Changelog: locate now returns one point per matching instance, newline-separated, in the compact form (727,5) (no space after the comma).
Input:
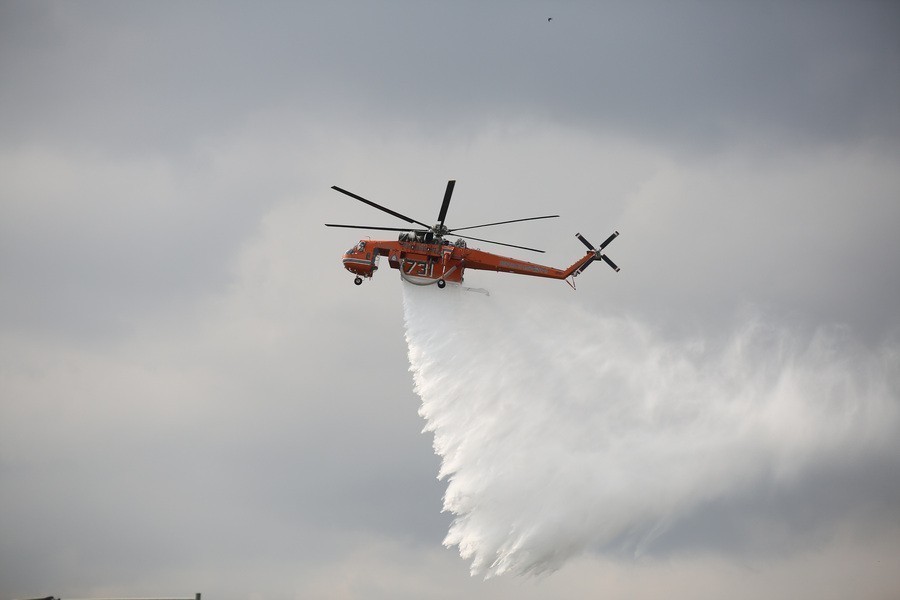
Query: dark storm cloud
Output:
(694,74)
(151,460)
(88,244)
(772,521)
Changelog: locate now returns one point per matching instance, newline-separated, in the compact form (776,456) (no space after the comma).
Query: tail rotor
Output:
(598,252)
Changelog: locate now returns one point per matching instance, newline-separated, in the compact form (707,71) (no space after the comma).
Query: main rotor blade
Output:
(608,240)
(379,207)
(371,227)
(443,214)
(504,222)
(501,243)
(584,241)
(609,262)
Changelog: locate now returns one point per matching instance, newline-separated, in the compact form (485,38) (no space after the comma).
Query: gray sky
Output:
(176,413)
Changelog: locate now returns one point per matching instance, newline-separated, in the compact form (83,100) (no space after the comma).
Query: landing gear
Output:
(441,283)
(358,281)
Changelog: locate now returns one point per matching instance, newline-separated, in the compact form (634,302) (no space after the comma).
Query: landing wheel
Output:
(441,283)
(358,281)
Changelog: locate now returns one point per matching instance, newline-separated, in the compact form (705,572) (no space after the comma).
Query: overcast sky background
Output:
(195,397)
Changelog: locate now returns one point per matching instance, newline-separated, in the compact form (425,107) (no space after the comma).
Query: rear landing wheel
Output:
(358,281)
(441,283)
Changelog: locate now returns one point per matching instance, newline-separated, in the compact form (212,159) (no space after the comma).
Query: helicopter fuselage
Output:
(424,263)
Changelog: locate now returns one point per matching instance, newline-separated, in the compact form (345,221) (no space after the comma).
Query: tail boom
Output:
(502,264)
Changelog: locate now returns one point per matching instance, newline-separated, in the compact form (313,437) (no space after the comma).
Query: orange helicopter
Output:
(424,256)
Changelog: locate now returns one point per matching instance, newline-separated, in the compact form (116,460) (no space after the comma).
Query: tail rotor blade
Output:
(586,265)
(609,262)
(447,194)
(608,240)
(584,241)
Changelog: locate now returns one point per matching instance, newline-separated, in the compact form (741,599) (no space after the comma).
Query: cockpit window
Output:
(357,248)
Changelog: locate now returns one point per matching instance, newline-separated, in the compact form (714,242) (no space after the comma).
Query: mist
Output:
(562,432)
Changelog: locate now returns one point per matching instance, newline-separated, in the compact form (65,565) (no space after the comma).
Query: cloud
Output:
(173,315)
(693,76)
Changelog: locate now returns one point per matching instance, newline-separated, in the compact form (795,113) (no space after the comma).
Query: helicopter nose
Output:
(356,264)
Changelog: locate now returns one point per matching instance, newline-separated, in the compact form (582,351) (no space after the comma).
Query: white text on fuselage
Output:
(505,264)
